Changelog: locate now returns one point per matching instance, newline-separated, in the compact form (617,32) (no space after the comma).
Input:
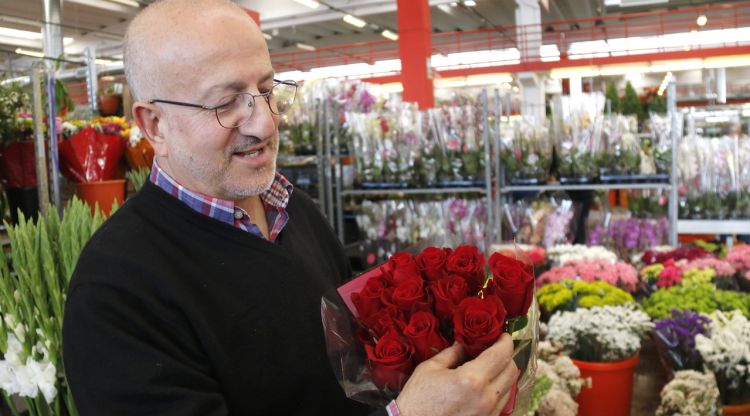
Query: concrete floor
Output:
(649,379)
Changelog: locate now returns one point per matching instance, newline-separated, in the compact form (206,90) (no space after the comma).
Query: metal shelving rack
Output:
(335,187)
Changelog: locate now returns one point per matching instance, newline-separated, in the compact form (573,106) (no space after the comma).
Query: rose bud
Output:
(447,293)
(431,263)
(424,333)
(391,361)
(513,283)
(468,262)
(478,323)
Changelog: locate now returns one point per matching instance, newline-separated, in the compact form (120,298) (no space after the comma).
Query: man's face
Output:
(200,154)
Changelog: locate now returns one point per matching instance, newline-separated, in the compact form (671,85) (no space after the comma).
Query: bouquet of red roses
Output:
(412,307)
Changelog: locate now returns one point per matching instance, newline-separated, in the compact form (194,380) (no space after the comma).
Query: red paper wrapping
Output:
(90,156)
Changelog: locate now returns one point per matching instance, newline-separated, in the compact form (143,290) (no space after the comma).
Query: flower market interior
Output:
(605,144)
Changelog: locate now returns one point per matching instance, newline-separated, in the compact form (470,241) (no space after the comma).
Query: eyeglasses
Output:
(236,109)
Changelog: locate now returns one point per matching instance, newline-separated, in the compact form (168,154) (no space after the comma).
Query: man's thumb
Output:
(450,357)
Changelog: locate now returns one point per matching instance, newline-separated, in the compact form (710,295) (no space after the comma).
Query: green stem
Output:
(11,404)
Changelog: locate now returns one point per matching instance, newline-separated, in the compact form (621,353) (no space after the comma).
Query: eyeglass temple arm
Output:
(205,107)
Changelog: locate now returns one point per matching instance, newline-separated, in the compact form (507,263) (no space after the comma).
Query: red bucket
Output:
(103,193)
(736,409)
(610,388)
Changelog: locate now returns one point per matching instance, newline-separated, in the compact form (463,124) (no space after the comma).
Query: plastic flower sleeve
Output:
(374,346)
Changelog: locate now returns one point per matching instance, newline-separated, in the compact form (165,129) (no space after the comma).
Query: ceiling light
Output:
(470,3)
(267,36)
(454,4)
(702,20)
(68,41)
(20,34)
(305,46)
(355,21)
(35,54)
(309,3)
(389,35)
(130,3)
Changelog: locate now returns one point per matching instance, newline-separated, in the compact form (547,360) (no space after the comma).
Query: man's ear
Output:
(148,116)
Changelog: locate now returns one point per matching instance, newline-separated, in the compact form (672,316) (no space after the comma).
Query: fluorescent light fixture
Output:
(35,54)
(21,79)
(355,21)
(267,36)
(701,20)
(20,34)
(309,3)
(305,46)
(470,3)
(445,8)
(389,35)
(130,3)
(454,4)
(102,61)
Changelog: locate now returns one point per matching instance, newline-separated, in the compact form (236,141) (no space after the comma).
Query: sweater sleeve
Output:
(122,357)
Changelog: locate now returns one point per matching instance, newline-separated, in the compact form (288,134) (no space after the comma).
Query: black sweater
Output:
(171,312)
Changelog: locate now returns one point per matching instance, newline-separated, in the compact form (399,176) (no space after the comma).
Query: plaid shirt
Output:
(274,200)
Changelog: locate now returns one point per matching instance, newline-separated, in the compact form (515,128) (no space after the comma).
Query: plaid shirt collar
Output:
(275,201)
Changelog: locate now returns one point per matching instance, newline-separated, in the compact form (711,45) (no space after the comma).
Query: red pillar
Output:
(415,49)
(253,15)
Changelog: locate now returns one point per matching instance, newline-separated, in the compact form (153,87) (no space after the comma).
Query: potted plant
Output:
(90,158)
(604,343)
(108,101)
(570,295)
(726,352)
(690,393)
(702,297)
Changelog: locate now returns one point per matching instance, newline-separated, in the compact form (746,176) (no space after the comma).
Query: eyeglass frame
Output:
(215,108)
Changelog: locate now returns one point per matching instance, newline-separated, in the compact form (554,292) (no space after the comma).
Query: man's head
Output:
(200,51)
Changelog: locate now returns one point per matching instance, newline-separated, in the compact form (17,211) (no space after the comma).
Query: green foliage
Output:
(13,100)
(33,287)
(631,103)
(542,386)
(138,177)
(613,97)
(569,295)
(657,104)
(700,297)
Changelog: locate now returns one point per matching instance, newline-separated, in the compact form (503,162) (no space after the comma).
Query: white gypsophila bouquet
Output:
(690,393)
(600,334)
(726,352)
(563,253)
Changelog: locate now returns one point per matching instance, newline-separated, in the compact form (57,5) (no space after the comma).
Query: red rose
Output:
(431,262)
(402,265)
(478,323)
(468,262)
(448,293)
(409,295)
(386,319)
(424,333)
(368,300)
(513,282)
(391,361)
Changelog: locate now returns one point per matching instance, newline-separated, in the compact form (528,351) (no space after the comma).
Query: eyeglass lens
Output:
(235,110)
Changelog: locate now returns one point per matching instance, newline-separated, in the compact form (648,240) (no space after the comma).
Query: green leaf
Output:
(517,324)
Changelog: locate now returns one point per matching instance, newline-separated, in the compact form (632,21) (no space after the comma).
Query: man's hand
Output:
(480,387)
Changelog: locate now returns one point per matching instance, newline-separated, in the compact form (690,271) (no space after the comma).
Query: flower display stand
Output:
(103,193)
(609,389)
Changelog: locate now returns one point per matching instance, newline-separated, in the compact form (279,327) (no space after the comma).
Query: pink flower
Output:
(670,276)
(721,267)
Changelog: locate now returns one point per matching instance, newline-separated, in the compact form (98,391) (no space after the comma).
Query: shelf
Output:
(424,191)
(586,187)
(713,227)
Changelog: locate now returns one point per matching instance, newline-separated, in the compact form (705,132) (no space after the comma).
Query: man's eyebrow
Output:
(269,75)
(237,85)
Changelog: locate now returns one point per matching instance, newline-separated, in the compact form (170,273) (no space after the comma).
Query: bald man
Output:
(201,295)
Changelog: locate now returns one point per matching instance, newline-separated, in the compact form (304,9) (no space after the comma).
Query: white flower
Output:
(605,333)
(564,253)
(727,351)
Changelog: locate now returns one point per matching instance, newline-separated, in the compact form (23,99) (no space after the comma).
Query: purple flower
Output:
(677,334)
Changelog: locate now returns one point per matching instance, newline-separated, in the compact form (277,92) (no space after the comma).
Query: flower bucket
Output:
(103,193)
(109,104)
(609,389)
(736,409)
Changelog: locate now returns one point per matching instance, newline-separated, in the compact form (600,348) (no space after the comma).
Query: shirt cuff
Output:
(392,409)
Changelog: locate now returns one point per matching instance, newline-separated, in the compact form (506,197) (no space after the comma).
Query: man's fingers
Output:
(449,357)
(494,359)
(504,384)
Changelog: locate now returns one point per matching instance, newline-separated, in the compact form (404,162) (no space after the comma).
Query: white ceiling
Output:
(102,23)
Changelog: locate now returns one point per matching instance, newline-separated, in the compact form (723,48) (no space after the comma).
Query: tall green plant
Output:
(13,99)
(33,286)
(614,98)
(138,177)
(631,103)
